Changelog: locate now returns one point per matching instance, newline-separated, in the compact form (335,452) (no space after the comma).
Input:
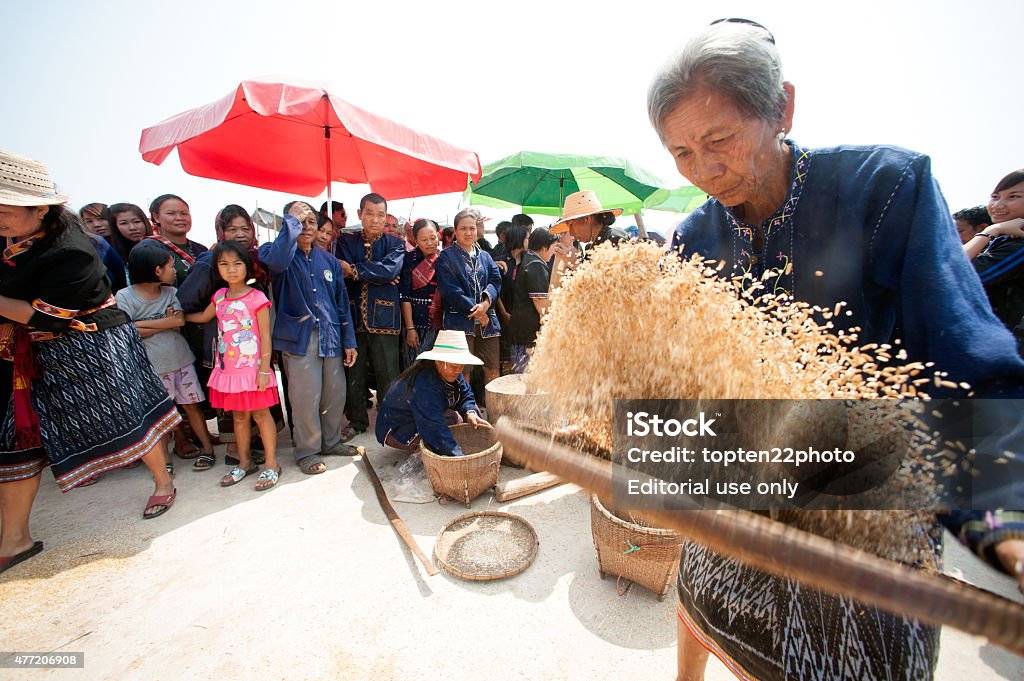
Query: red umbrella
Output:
(297,139)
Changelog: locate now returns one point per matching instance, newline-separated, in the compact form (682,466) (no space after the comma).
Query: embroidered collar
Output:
(19,247)
(369,242)
(745,260)
(785,211)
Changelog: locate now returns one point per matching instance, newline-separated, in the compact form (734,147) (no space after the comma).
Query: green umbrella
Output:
(539,183)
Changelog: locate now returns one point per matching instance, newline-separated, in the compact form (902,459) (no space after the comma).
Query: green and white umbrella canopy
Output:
(539,183)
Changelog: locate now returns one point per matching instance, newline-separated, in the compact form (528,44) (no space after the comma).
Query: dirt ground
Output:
(308,581)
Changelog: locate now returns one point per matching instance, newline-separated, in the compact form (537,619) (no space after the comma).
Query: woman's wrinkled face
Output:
(427,241)
(450,372)
(720,149)
(174,218)
(97,225)
(465,232)
(584,229)
(131,226)
(19,222)
(239,230)
(1007,204)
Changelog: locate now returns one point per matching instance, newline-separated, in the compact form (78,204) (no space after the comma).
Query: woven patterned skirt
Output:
(767,628)
(100,406)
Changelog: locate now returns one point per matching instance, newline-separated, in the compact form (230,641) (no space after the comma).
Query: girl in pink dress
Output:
(243,381)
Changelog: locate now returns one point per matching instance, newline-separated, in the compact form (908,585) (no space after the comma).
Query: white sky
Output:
(80,80)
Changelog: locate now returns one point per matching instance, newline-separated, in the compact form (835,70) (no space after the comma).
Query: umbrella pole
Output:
(640,228)
(327,152)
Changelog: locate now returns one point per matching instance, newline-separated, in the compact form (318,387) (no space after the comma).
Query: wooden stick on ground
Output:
(521,487)
(787,552)
(396,521)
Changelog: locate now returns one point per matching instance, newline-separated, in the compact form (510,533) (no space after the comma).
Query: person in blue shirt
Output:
(866,225)
(372,263)
(470,282)
(313,331)
(429,396)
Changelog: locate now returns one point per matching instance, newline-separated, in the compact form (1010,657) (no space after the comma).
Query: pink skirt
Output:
(250,400)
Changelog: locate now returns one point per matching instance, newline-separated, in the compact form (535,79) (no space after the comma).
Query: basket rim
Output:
(424,449)
(451,569)
(630,526)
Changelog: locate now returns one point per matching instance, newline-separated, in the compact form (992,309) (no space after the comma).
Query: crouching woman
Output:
(429,396)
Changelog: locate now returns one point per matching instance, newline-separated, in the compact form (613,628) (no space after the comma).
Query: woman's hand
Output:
(566,253)
(350,357)
(475,420)
(1012,228)
(479,312)
(262,380)
(502,265)
(412,339)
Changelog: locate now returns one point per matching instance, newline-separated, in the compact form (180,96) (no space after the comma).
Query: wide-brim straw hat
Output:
(24,182)
(579,205)
(451,347)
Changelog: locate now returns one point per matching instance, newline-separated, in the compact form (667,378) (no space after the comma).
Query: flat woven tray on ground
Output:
(486,545)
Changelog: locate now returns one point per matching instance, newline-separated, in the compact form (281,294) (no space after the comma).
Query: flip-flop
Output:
(347,433)
(204,462)
(236,474)
(307,463)
(7,562)
(268,474)
(165,500)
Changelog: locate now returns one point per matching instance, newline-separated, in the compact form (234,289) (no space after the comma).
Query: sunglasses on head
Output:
(748,22)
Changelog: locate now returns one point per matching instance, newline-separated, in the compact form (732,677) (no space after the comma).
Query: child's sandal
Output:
(170,469)
(204,462)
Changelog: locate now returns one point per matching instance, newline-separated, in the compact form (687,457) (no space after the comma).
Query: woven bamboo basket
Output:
(464,478)
(507,396)
(646,556)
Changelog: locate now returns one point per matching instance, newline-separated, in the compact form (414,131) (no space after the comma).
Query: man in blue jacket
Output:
(313,331)
(372,263)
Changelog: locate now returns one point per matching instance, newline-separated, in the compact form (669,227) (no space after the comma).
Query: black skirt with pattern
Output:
(772,629)
(100,406)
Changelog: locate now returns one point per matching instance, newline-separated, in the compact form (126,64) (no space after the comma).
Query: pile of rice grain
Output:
(631,323)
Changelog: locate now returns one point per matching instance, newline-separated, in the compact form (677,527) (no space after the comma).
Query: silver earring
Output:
(782,135)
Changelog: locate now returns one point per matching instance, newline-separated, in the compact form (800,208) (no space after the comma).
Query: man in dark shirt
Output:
(372,263)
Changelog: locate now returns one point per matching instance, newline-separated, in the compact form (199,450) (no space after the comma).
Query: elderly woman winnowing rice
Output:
(862,224)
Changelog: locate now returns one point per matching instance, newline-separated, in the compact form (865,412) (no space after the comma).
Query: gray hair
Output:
(467,213)
(737,60)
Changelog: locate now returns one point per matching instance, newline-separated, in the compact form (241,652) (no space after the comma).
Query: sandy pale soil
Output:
(308,581)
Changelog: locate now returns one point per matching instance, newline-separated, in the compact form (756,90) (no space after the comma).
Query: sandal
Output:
(204,462)
(165,500)
(268,474)
(309,464)
(170,469)
(7,562)
(190,451)
(236,474)
(345,450)
(347,433)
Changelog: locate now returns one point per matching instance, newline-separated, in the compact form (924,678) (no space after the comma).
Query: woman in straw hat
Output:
(588,222)
(428,397)
(864,225)
(85,398)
